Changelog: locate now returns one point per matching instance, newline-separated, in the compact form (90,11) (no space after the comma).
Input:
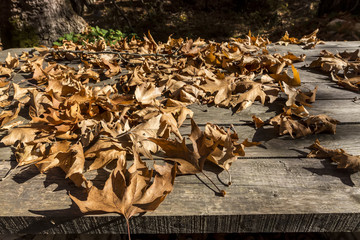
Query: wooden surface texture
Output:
(275,187)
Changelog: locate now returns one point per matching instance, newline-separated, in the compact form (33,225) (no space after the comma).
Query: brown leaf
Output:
(29,153)
(5,71)
(20,93)
(70,158)
(22,134)
(222,87)
(286,39)
(146,93)
(321,123)
(258,122)
(141,133)
(329,64)
(9,115)
(286,125)
(105,156)
(284,77)
(342,158)
(130,191)
(297,96)
(113,68)
(246,99)
(11,62)
(352,84)
(189,162)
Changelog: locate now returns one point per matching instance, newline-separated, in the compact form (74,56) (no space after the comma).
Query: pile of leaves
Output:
(79,125)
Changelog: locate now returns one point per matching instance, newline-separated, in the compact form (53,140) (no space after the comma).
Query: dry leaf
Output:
(258,122)
(7,116)
(146,93)
(352,84)
(286,125)
(130,191)
(342,158)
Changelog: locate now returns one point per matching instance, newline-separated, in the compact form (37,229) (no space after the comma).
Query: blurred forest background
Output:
(32,22)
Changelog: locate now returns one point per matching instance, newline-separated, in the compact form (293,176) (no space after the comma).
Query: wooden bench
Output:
(275,187)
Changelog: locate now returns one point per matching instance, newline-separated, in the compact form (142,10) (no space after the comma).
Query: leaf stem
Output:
(128,227)
(230,180)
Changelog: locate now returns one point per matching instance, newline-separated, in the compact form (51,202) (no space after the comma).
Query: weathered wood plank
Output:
(275,189)
(187,224)
(261,188)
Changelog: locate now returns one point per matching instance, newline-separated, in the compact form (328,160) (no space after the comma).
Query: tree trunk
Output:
(329,6)
(25,23)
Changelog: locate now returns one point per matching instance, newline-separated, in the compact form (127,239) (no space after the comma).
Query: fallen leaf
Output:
(321,123)
(352,84)
(146,93)
(342,158)
(130,191)
(21,134)
(258,122)
(9,115)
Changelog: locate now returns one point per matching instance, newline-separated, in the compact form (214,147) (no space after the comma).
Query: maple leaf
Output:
(299,111)
(113,68)
(178,110)
(70,158)
(342,158)
(23,134)
(188,93)
(290,56)
(222,87)
(214,144)
(146,93)
(246,99)
(141,133)
(29,153)
(189,161)
(310,40)
(217,145)
(130,191)
(106,156)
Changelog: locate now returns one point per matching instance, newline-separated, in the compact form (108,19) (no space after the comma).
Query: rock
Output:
(336,22)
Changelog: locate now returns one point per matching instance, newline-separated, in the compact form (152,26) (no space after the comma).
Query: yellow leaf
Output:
(296,80)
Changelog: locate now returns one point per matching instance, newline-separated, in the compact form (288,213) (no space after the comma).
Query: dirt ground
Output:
(221,19)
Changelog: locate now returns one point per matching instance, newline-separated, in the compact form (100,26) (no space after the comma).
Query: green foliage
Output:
(94,34)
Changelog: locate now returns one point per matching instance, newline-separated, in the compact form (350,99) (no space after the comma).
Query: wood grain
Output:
(275,188)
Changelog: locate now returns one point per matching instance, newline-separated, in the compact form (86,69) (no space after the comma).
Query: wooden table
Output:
(275,187)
